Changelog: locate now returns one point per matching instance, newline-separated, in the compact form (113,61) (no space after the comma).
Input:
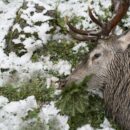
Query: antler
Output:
(120,7)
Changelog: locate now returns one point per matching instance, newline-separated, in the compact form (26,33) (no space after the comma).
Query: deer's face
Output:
(98,61)
(95,64)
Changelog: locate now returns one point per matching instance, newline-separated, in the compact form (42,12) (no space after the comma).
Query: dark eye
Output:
(97,55)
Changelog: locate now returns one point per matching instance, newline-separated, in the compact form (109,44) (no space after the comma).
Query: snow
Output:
(23,65)
(42,32)
(11,113)
(8,15)
(17,26)
(105,126)
(80,45)
(86,127)
(63,67)
(3,101)
(50,80)
(49,112)
(36,17)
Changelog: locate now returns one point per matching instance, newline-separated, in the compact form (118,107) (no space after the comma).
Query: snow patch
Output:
(11,113)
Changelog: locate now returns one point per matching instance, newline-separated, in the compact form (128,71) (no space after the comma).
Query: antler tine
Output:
(93,18)
(121,11)
(106,28)
(82,32)
(83,37)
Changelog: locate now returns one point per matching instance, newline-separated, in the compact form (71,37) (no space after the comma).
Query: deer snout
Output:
(66,82)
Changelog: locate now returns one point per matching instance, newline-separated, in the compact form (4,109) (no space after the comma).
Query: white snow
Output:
(23,64)
(11,113)
(3,101)
(7,16)
(63,67)
(86,127)
(105,126)
(50,112)
(41,30)
(80,45)
(17,26)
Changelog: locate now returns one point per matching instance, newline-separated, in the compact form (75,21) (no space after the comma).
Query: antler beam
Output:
(83,35)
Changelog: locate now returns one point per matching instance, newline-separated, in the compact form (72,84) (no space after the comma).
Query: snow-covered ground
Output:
(11,113)
(7,15)
(23,65)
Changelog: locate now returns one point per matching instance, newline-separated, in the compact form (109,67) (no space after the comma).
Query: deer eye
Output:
(97,55)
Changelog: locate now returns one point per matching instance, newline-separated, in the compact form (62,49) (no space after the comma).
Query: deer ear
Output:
(124,41)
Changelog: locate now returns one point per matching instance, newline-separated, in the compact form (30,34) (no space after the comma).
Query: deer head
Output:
(97,62)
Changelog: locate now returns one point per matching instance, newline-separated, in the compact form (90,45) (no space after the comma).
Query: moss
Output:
(32,114)
(11,46)
(4,69)
(60,50)
(38,125)
(53,124)
(14,34)
(76,19)
(19,48)
(36,87)
(39,8)
(39,23)
(24,5)
(58,21)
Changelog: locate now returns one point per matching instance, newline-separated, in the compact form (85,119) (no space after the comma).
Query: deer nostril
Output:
(62,83)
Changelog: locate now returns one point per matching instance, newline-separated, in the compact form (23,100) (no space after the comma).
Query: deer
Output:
(108,63)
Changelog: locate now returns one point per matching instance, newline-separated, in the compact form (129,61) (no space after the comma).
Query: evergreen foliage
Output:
(82,106)
(36,87)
